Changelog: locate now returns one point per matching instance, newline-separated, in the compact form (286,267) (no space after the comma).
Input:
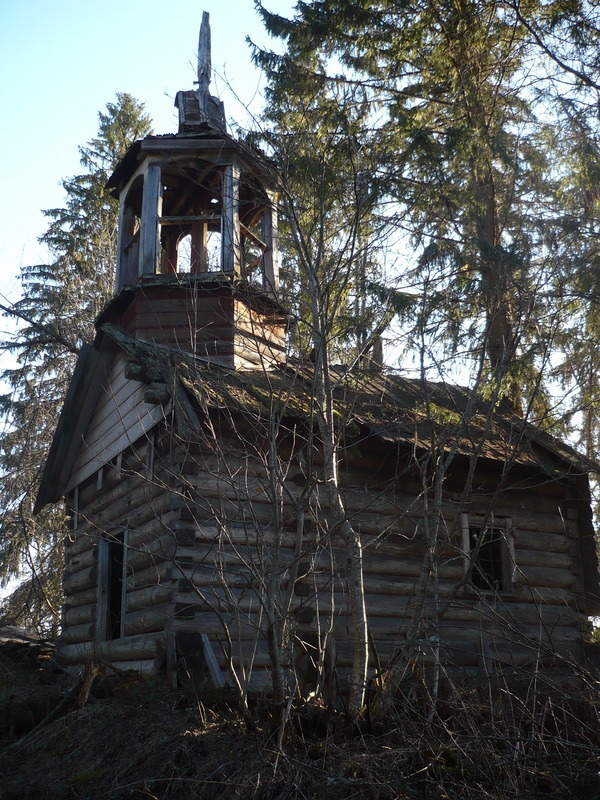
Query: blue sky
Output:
(61,61)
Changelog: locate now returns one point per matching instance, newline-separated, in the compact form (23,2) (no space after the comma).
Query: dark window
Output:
(486,546)
(111,585)
(115,585)
(489,553)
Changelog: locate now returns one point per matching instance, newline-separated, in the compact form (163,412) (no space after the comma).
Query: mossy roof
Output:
(388,406)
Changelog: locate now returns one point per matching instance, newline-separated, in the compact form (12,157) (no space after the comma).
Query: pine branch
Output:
(55,337)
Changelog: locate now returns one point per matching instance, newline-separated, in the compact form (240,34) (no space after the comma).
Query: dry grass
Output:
(133,739)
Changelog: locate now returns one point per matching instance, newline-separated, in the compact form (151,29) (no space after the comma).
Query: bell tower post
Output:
(197,259)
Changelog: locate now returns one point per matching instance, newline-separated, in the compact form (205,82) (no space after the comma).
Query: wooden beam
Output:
(252,236)
(184,220)
(212,664)
(151,212)
(230,230)
(271,254)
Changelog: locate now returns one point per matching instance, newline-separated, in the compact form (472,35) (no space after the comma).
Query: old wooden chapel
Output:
(189,462)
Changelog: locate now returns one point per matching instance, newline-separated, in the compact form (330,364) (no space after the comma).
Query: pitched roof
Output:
(390,407)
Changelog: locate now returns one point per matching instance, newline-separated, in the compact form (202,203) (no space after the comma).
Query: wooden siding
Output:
(121,417)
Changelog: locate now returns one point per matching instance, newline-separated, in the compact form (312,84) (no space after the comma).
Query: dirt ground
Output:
(131,738)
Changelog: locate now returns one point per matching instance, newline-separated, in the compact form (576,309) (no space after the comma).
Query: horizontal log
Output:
(242,486)
(161,573)
(252,654)
(239,627)
(393,504)
(155,528)
(80,614)
(462,653)
(143,647)
(144,667)
(180,298)
(542,595)
(545,559)
(543,576)
(541,541)
(559,637)
(408,565)
(513,612)
(161,548)
(476,615)
(84,632)
(83,579)
(523,655)
(405,506)
(183,327)
(550,520)
(242,602)
(203,578)
(130,493)
(388,605)
(409,554)
(392,542)
(382,605)
(79,541)
(148,619)
(82,598)
(87,558)
(213,464)
(148,597)
(221,343)
(502,635)
(183,317)
(146,510)
(207,510)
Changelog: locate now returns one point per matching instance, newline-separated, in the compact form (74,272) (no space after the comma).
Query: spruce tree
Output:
(464,102)
(55,317)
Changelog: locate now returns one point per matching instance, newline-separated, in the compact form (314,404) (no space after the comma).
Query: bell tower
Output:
(197,263)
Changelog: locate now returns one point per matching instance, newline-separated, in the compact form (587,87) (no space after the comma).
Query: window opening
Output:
(116,585)
(213,251)
(486,544)
(489,553)
(112,585)
(184,254)
(253,249)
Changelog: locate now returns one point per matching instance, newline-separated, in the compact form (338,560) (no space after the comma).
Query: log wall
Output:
(200,546)
(540,619)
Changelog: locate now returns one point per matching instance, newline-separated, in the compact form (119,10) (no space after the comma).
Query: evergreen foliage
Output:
(331,228)
(478,121)
(55,317)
